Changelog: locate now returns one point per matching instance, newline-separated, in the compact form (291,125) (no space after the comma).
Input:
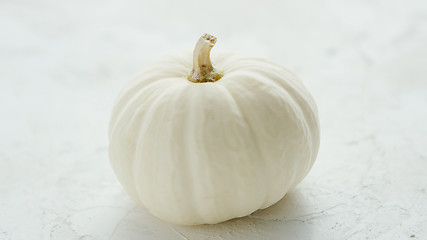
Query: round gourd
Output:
(196,144)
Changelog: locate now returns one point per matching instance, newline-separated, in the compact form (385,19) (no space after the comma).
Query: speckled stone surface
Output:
(62,64)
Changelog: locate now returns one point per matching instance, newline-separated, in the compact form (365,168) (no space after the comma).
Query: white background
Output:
(62,64)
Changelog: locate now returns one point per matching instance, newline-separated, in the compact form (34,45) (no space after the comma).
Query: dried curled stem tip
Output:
(210,38)
(203,70)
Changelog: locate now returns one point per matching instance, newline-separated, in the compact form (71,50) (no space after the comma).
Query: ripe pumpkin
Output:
(196,144)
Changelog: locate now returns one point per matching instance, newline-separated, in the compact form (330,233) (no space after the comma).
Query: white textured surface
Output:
(62,64)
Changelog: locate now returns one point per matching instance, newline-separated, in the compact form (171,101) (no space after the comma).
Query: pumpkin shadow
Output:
(283,220)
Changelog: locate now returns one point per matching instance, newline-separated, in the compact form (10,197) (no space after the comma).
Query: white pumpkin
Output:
(211,144)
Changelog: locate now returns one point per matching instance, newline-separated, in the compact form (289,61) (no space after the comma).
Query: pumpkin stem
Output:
(203,70)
